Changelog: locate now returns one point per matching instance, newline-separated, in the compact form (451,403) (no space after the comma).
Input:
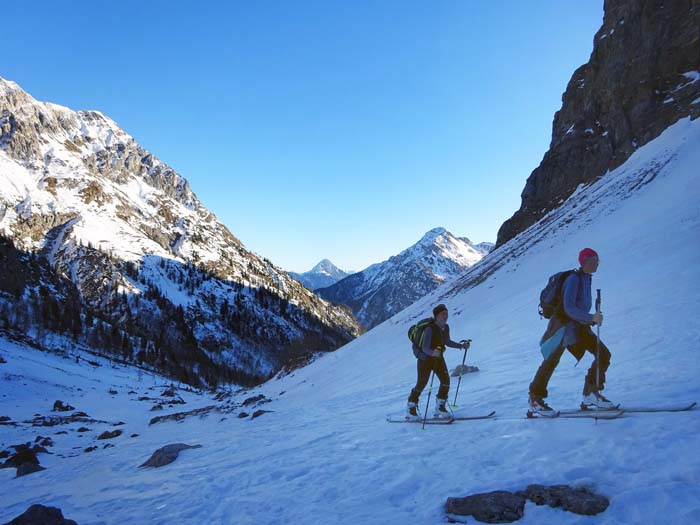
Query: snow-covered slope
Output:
(384,289)
(324,274)
(325,454)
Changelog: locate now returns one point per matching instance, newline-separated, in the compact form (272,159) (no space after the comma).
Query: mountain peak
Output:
(324,274)
(433,234)
(324,265)
(7,86)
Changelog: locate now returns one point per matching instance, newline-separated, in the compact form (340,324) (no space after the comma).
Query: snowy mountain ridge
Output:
(384,289)
(128,232)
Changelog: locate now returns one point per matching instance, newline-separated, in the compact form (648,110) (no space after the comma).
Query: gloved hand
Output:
(466,343)
(597,318)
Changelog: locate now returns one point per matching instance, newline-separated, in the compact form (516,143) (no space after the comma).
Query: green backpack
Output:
(415,334)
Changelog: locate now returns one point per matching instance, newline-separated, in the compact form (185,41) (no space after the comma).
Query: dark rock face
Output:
(641,78)
(576,500)
(40,515)
(498,506)
(166,454)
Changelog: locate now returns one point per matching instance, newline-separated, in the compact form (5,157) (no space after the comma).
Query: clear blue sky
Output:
(320,129)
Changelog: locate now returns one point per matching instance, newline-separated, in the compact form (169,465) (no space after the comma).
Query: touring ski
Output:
(460,417)
(580,414)
(429,421)
(670,408)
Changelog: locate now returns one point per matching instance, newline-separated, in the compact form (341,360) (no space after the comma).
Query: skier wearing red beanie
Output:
(570,329)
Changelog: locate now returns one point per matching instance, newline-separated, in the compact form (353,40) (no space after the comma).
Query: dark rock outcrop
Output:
(167,454)
(643,75)
(24,460)
(576,500)
(41,515)
(259,413)
(253,399)
(60,406)
(109,435)
(28,468)
(499,506)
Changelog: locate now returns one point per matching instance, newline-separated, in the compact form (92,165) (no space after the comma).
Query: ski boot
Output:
(538,408)
(441,411)
(594,400)
(412,412)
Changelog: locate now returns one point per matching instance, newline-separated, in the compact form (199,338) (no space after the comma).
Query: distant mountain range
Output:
(384,289)
(322,275)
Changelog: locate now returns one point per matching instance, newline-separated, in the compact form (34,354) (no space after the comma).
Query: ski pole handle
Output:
(597,300)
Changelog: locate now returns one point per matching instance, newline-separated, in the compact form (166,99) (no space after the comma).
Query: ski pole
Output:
(597,351)
(459,381)
(427,403)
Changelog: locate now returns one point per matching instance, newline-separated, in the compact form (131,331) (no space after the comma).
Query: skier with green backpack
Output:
(429,337)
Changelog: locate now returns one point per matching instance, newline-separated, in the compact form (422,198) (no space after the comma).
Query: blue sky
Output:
(320,129)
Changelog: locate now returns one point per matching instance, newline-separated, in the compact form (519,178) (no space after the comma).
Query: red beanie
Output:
(586,253)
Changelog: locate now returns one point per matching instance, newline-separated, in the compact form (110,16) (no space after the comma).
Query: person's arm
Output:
(569,292)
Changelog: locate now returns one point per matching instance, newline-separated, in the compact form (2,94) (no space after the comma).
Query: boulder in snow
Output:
(41,515)
(109,435)
(166,455)
(499,506)
(60,406)
(576,500)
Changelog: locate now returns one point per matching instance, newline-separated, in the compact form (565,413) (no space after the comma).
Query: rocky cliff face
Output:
(144,255)
(643,75)
(384,289)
